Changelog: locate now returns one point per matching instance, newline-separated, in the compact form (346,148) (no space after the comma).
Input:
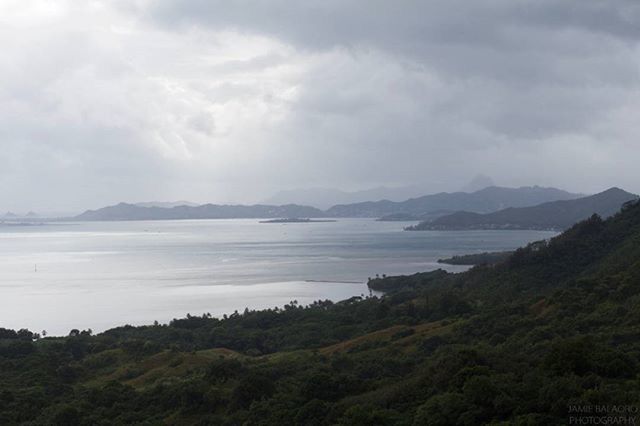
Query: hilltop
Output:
(557,215)
(324,198)
(485,200)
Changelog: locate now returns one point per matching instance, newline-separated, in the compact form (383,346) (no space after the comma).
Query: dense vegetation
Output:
(554,215)
(555,326)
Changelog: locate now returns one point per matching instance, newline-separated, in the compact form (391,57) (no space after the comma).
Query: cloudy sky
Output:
(230,101)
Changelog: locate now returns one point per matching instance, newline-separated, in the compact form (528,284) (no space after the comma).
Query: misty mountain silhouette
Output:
(556,215)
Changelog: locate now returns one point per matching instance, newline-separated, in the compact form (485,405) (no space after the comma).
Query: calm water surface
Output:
(98,275)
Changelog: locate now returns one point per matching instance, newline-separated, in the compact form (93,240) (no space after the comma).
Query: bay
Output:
(99,275)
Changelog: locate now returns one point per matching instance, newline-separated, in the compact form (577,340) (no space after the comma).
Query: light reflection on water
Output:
(104,274)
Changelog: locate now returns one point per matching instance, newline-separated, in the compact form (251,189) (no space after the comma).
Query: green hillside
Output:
(554,327)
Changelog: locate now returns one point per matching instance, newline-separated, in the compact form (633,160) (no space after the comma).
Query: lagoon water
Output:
(99,275)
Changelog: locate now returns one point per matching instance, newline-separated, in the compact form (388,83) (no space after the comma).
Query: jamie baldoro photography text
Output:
(603,415)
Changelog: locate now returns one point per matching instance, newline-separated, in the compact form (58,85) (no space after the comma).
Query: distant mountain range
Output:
(555,215)
(124,211)
(166,204)
(423,208)
(324,198)
(11,215)
(485,200)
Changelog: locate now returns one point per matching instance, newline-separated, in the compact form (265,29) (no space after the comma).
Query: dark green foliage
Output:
(66,415)
(446,409)
(404,282)
(252,387)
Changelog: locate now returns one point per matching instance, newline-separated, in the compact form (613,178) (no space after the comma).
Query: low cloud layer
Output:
(230,101)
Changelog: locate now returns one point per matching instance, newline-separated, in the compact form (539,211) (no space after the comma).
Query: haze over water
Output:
(99,275)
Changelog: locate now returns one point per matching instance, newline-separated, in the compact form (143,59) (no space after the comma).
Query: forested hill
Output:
(554,326)
(556,215)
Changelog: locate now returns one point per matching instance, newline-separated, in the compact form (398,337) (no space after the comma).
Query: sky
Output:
(231,101)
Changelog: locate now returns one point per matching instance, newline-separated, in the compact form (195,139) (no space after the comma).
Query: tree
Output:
(252,387)
(442,410)
(66,416)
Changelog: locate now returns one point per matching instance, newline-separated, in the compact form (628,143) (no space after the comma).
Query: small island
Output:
(296,220)
(486,258)
(400,217)
(411,217)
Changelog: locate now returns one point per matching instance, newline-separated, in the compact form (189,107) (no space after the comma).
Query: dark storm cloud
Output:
(402,24)
(528,69)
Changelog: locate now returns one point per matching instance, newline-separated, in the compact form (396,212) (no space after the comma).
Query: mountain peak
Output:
(551,215)
(479,182)
(615,192)
(615,189)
